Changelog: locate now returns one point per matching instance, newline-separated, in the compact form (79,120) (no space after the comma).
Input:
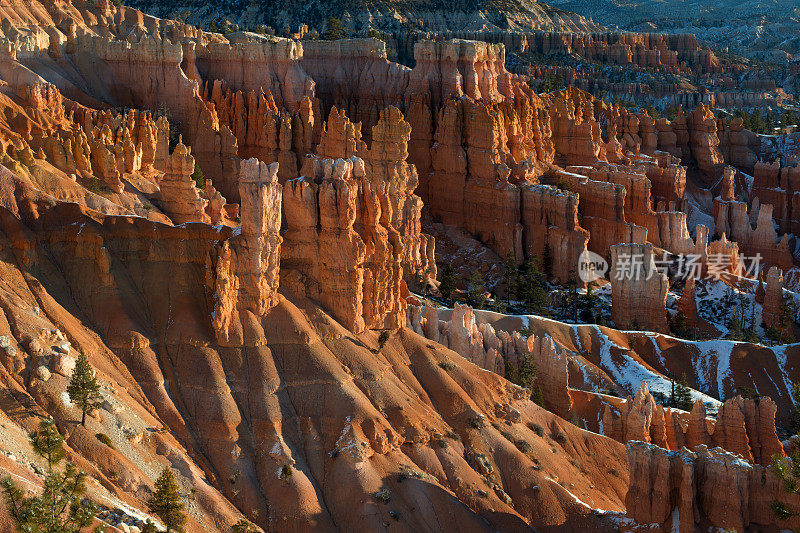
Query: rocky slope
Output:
(358,15)
(762,30)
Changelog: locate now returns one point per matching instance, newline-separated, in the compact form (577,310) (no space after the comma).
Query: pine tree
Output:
(59,508)
(678,326)
(787,469)
(728,302)
(588,303)
(243,526)
(532,288)
(748,393)
(735,331)
(166,502)
(526,372)
(786,318)
(476,290)
(149,527)
(750,332)
(524,375)
(198,177)
(537,396)
(334,30)
(83,388)
(742,301)
(510,277)
(547,260)
(382,339)
(571,300)
(794,415)
(681,397)
(448,283)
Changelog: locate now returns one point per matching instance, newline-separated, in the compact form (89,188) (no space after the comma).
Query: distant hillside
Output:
(624,13)
(384,15)
(760,29)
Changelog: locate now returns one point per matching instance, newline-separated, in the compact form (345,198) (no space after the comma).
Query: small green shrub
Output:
(286,472)
(105,439)
(382,339)
(539,430)
(448,366)
(564,185)
(476,422)
(523,446)
(384,495)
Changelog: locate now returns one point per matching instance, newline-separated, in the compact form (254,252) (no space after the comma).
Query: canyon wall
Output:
(340,247)
(684,490)
(742,426)
(497,350)
(638,288)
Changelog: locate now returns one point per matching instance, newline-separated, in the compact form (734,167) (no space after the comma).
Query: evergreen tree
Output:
(794,415)
(728,301)
(166,502)
(382,338)
(787,469)
(83,388)
(742,302)
(569,304)
(537,396)
(526,372)
(334,30)
(448,283)
(653,112)
(532,289)
(750,333)
(60,507)
(510,277)
(678,325)
(749,393)
(770,335)
(149,527)
(524,375)
(198,177)
(243,526)
(476,290)
(553,82)
(588,303)
(375,34)
(786,318)
(735,331)
(547,260)
(681,397)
